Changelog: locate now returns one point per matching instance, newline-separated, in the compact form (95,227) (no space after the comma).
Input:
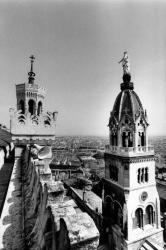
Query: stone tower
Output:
(30,123)
(131,205)
(30,97)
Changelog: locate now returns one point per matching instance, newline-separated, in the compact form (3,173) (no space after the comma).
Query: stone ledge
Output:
(11,218)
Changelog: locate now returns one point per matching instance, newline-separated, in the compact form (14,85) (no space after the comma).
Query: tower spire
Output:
(31,73)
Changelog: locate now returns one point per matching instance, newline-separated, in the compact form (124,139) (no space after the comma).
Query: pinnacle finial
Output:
(125,64)
(32,60)
(31,73)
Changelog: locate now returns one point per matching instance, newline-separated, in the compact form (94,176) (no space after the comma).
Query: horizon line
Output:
(99,135)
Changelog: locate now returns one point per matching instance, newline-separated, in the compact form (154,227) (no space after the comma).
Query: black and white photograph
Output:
(82,125)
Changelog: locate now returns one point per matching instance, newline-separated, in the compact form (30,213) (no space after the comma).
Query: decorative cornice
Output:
(133,159)
(27,124)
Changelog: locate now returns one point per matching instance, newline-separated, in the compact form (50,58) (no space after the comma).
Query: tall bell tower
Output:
(131,205)
(30,123)
(30,97)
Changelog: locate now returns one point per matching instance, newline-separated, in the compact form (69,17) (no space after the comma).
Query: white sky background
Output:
(77,45)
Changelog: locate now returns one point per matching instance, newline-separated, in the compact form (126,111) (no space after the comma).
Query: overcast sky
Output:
(77,45)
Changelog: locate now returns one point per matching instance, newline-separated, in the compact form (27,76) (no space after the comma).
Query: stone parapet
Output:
(11,228)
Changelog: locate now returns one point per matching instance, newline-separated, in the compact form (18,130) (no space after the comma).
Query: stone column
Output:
(135,136)
(119,138)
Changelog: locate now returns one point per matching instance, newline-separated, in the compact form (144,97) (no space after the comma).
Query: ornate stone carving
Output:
(27,125)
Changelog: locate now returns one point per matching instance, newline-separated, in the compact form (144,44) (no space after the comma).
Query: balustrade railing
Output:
(128,150)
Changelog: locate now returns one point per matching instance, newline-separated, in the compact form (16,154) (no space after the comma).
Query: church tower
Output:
(30,97)
(131,205)
(29,123)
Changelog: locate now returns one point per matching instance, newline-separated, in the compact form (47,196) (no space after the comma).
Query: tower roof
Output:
(127,102)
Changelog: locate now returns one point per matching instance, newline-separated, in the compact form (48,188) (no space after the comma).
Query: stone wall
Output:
(38,219)
(11,227)
(95,215)
(44,206)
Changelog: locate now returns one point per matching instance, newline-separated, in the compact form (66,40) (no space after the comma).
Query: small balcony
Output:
(129,151)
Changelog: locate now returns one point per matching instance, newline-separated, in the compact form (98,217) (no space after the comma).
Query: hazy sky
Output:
(77,45)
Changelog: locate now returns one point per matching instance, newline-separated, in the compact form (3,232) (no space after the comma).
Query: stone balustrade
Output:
(129,151)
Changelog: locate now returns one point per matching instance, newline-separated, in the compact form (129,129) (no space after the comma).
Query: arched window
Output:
(146,175)
(114,139)
(142,139)
(149,215)
(127,139)
(139,218)
(130,140)
(124,139)
(113,172)
(139,139)
(139,176)
(108,207)
(39,108)
(142,175)
(31,105)
(118,214)
(21,106)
